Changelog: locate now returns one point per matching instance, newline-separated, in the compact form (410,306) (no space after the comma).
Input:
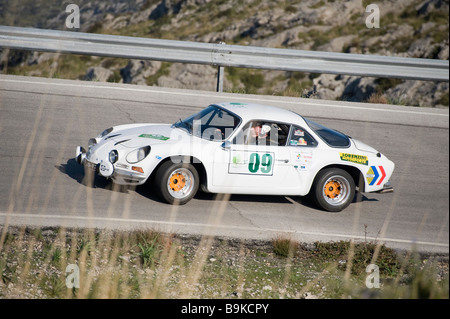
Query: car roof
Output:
(251,111)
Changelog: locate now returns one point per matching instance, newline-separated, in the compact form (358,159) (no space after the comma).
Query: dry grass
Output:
(378,98)
(148,264)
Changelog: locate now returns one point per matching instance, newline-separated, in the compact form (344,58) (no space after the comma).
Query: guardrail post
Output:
(220,71)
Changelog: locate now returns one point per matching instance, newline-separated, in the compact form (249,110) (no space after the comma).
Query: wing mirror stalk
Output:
(226,145)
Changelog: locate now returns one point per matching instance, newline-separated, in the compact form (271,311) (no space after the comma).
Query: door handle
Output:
(283,160)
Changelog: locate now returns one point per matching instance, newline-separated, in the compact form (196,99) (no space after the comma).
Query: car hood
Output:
(136,135)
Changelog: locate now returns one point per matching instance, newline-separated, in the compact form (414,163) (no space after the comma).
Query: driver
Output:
(259,133)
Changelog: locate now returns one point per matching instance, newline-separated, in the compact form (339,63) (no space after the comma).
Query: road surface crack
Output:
(241,214)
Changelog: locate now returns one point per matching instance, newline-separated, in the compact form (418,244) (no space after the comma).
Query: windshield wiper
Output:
(181,124)
(189,127)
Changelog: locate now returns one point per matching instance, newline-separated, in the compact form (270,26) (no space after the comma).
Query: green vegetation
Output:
(444,100)
(30,13)
(252,80)
(284,246)
(319,4)
(164,70)
(296,87)
(384,84)
(149,264)
(57,66)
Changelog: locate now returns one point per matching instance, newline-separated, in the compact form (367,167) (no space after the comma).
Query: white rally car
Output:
(239,148)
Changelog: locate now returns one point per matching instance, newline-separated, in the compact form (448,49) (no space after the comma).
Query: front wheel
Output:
(177,183)
(333,189)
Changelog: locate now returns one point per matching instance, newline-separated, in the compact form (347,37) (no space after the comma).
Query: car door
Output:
(303,152)
(254,166)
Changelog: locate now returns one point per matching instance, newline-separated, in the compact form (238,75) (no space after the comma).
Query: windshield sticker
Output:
(155,136)
(358,159)
(300,141)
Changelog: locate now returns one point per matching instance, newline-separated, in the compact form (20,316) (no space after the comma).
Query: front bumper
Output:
(387,188)
(80,155)
(119,174)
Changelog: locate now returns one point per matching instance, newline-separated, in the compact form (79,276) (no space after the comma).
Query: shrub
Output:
(284,247)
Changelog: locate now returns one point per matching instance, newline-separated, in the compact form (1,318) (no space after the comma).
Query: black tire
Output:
(333,189)
(176,183)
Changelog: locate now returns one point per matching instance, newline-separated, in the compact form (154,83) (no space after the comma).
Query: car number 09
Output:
(255,163)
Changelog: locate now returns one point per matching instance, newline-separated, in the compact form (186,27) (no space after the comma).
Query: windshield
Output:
(212,123)
(332,137)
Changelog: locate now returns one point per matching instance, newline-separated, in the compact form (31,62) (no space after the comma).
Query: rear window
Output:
(332,137)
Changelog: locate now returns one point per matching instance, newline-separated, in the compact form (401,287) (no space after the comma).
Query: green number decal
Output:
(266,163)
(253,164)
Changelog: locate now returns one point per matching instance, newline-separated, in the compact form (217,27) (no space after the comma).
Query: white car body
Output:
(225,160)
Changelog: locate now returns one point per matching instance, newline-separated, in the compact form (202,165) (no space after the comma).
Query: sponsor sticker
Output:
(370,176)
(375,174)
(358,159)
(304,159)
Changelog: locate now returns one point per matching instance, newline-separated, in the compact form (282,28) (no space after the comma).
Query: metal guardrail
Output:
(223,55)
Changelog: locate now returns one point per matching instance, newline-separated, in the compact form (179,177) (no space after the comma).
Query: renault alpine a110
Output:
(239,148)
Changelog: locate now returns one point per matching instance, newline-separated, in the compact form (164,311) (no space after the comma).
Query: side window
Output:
(263,133)
(242,136)
(300,137)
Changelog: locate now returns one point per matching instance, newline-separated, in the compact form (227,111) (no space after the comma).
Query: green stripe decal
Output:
(155,136)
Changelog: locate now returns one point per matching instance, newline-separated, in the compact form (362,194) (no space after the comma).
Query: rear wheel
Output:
(177,183)
(333,189)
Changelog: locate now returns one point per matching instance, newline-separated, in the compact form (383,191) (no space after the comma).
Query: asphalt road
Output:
(43,120)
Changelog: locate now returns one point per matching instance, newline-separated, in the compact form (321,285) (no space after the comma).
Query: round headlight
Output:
(138,155)
(113,156)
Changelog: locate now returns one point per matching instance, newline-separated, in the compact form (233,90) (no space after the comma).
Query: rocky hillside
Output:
(408,28)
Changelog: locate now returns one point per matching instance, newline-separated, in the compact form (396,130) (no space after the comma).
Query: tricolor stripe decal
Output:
(375,174)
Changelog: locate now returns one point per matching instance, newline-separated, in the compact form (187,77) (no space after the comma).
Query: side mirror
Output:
(226,145)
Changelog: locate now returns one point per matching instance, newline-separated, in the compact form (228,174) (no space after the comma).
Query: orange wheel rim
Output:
(332,189)
(177,182)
